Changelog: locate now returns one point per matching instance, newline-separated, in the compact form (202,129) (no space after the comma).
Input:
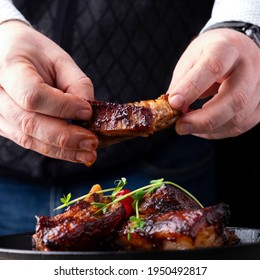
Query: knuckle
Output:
(88,82)
(237,119)
(240,100)
(216,66)
(63,138)
(195,86)
(27,123)
(235,131)
(30,99)
(61,153)
(66,154)
(61,110)
(24,140)
(236,124)
(209,124)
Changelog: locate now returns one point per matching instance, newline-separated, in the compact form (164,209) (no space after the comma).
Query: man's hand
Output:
(224,64)
(41,87)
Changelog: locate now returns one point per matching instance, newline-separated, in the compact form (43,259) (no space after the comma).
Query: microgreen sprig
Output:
(119,186)
(136,221)
(66,200)
(137,195)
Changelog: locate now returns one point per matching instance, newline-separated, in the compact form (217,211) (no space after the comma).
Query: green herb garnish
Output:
(119,186)
(66,199)
(137,195)
(102,206)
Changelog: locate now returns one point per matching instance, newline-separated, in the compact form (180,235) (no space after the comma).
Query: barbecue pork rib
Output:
(172,220)
(165,199)
(79,228)
(183,229)
(113,122)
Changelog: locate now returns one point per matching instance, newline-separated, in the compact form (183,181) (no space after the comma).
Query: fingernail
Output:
(184,128)
(83,114)
(86,158)
(177,101)
(88,144)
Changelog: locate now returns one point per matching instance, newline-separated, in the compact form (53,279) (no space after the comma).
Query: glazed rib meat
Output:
(79,228)
(171,220)
(165,199)
(183,229)
(114,122)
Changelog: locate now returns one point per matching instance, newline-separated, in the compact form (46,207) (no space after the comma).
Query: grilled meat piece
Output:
(79,228)
(163,114)
(167,198)
(172,220)
(114,122)
(184,229)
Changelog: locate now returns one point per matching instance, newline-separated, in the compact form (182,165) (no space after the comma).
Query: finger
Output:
(29,142)
(211,67)
(240,123)
(235,94)
(33,94)
(231,130)
(47,130)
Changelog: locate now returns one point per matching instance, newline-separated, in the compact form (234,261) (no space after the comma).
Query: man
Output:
(118,52)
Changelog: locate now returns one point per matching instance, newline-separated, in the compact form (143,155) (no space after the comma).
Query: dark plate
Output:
(19,246)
